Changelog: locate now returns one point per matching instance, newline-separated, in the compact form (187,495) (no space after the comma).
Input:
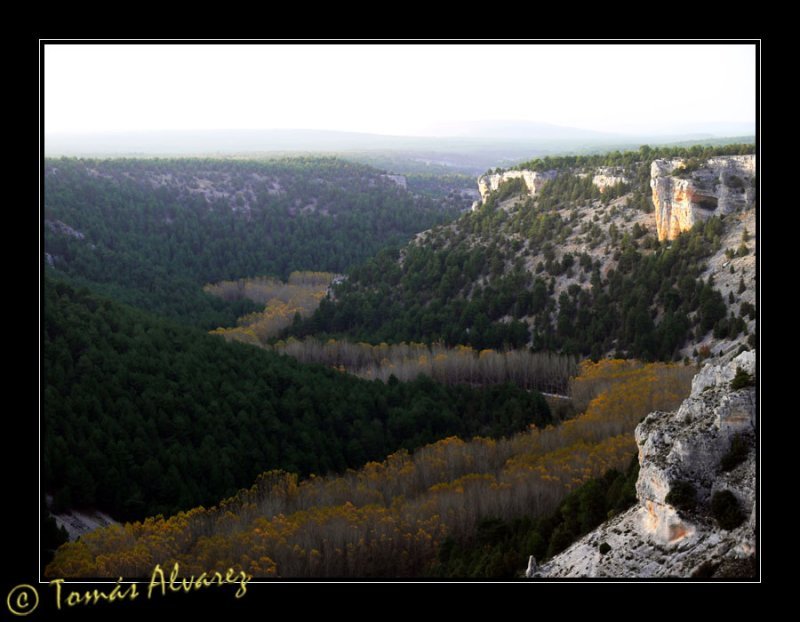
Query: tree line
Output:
(499,549)
(542,371)
(629,158)
(393,517)
(284,303)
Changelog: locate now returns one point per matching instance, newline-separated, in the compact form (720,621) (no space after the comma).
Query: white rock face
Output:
(78,523)
(720,186)
(653,539)
(602,177)
(533,180)
(606,176)
(531,571)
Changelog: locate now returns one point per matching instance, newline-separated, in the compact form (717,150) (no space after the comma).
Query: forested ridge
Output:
(152,232)
(145,416)
(543,371)
(574,270)
(631,158)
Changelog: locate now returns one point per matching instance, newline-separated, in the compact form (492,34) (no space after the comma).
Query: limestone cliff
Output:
(681,450)
(606,176)
(533,180)
(685,193)
(602,177)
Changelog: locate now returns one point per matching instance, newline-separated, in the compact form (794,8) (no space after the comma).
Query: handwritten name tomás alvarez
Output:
(159,584)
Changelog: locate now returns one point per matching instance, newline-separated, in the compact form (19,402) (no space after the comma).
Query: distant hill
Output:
(466,148)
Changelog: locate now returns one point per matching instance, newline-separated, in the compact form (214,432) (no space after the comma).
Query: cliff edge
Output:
(696,515)
(687,191)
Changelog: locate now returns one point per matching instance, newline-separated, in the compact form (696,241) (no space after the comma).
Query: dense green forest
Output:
(631,158)
(144,416)
(451,190)
(488,280)
(152,232)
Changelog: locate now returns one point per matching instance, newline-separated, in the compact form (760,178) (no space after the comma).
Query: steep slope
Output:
(696,511)
(152,232)
(562,254)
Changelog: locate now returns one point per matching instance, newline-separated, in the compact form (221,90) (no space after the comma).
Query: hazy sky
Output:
(395,89)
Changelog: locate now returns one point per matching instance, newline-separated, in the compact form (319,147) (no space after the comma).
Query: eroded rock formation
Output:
(685,193)
(533,180)
(686,448)
(602,177)
(607,176)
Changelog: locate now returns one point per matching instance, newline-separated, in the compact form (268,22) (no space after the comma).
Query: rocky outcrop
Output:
(685,193)
(607,176)
(681,450)
(77,523)
(532,567)
(534,180)
(602,177)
